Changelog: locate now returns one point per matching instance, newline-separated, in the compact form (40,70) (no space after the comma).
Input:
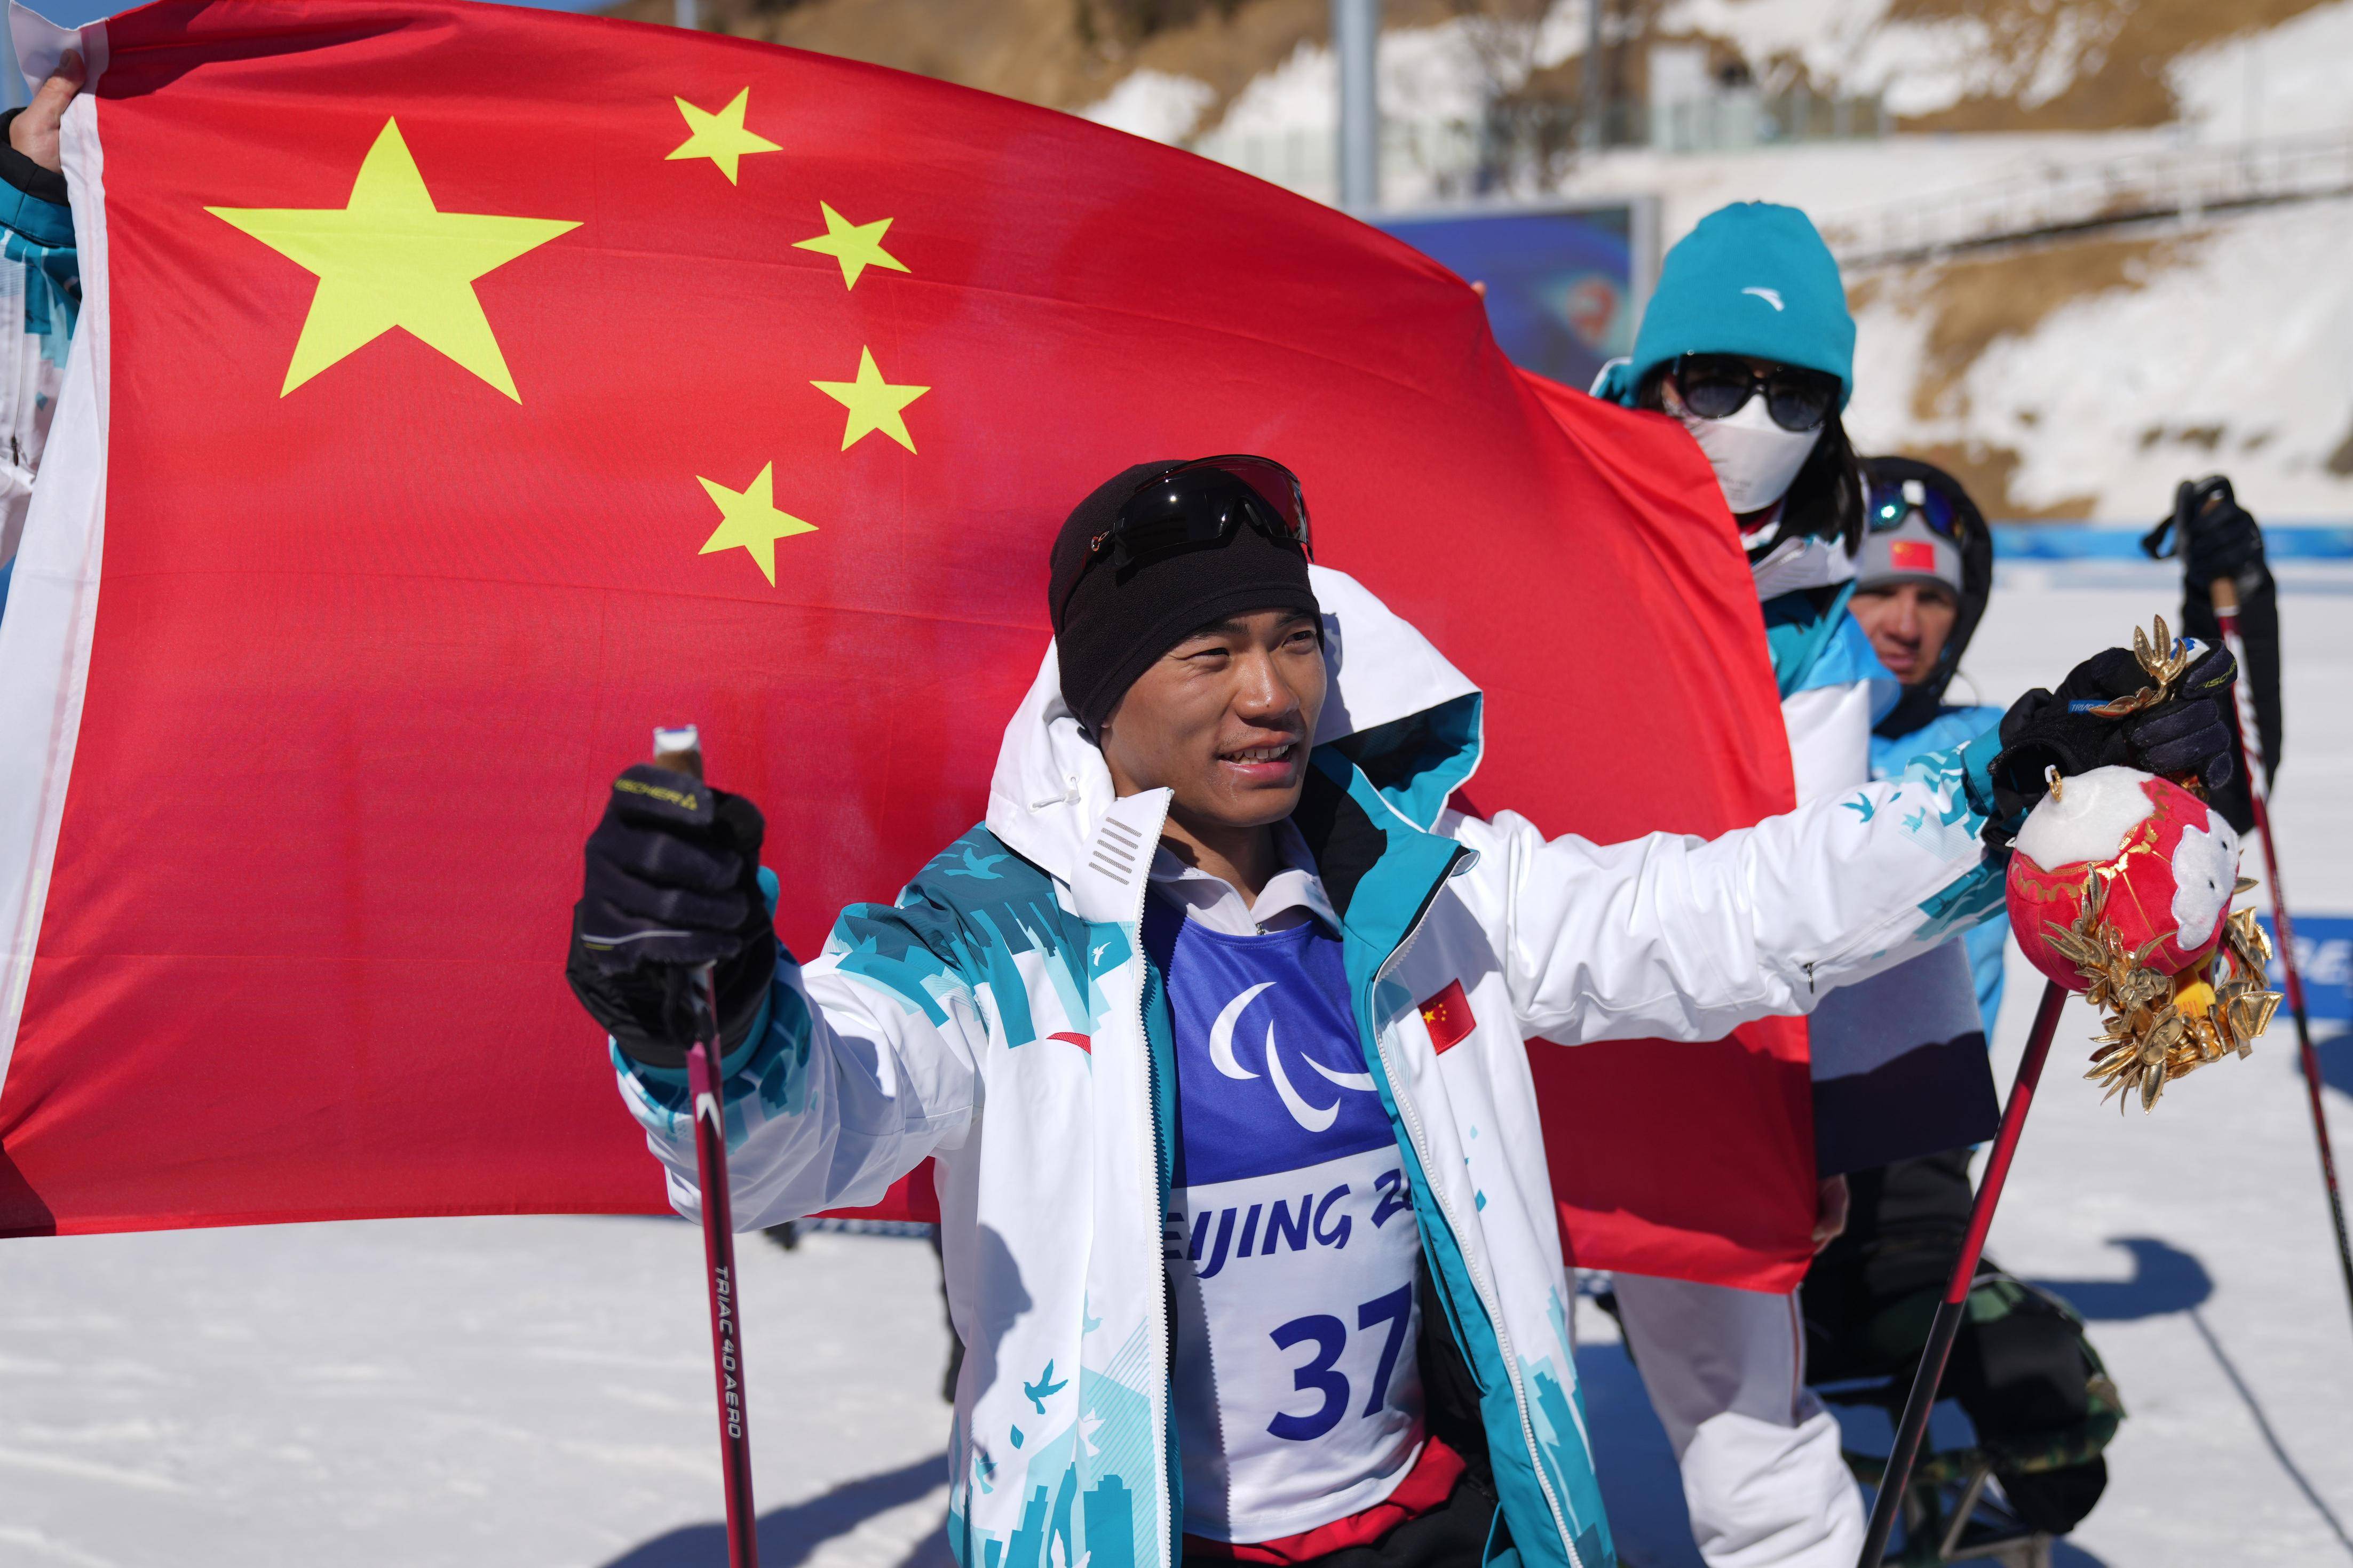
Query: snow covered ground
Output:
(536,1392)
(418,1393)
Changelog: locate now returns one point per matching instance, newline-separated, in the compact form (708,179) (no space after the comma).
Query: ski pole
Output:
(680,750)
(2226,613)
(1914,1426)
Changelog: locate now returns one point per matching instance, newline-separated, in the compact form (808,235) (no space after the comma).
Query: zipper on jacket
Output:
(1409,1114)
(1172,1542)
(1170,1489)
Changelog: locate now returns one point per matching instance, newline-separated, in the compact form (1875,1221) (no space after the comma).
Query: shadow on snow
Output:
(788,1535)
(2336,1055)
(2165,1280)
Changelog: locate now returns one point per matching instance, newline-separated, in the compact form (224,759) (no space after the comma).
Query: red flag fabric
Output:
(461,391)
(1646,1140)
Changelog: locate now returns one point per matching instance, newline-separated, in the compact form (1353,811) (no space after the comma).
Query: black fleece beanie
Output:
(1110,624)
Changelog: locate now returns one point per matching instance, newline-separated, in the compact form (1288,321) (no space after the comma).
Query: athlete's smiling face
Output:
(1224,720)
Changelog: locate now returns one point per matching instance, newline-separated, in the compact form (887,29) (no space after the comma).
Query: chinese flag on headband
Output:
(461,391)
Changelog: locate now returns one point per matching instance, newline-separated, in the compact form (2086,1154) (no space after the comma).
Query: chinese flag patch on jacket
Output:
(1448,1018)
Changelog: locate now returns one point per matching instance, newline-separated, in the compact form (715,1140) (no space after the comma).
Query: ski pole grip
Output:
(679,749)
(2225,594)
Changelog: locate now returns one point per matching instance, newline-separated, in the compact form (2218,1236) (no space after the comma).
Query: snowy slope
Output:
(535,1392)
(1921,59)
(2099,383)
(2217,345)
(2122,363)
(2222,348)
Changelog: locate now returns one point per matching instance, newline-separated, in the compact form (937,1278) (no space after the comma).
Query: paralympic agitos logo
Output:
(1311,1118)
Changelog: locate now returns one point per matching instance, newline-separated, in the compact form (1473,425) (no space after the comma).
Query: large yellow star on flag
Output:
(748,519)
(857,245)
(721,137)
(389,259)
(873,403)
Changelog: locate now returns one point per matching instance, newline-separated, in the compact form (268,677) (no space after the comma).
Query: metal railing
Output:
(1730,121)
(1528,148)
(2168,182)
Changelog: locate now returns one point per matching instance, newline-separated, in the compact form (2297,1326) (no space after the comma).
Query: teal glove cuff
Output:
(730,1065)
(1977,755)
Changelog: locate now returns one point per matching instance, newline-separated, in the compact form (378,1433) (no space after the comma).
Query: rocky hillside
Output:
(1942,65)
(1066,53)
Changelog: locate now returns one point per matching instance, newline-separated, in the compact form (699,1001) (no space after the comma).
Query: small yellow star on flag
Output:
(748,519)
(389,258)
(873,403)
(721,137)
(857,245)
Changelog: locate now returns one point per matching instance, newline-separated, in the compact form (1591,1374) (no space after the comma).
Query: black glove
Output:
(2215,537)
(673,882)
(2212,533)
(2187,736)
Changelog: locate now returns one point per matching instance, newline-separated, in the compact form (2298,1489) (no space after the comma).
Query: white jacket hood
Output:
(1052,789)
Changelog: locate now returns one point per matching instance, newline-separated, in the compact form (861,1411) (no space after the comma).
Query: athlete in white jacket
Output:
(1218,1043)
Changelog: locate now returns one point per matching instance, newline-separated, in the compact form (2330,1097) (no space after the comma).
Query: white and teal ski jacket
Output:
(1003,1018)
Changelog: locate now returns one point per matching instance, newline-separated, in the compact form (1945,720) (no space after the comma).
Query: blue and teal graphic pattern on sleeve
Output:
(963,925)
(1291,1240)
(1952,818)
(1954,727)
(961,929)
(38,238)
(771,1064)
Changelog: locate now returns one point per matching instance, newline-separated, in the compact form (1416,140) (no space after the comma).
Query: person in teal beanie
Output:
(1739,259)
(1750,303)
(1748,344)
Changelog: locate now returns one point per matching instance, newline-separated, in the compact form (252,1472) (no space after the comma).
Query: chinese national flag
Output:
(460,391)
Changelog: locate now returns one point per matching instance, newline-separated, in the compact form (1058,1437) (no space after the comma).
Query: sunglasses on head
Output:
(1202,502)
(1717,387)
(1887,505)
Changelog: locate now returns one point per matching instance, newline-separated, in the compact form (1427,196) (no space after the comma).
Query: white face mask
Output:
(1755,459)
